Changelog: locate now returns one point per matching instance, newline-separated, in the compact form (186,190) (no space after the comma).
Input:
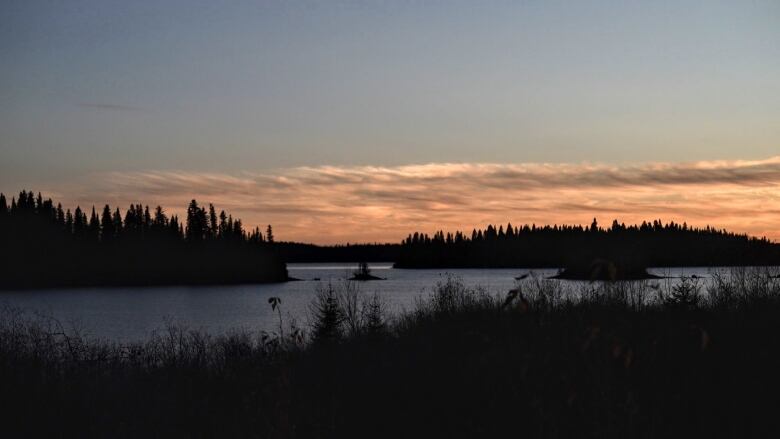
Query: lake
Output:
(130,313)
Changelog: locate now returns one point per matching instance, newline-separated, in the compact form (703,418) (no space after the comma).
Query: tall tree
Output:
(213,227)
(269,234)
(223,225)
(106,224)
(238,230)
(117,221)
(160,219)
(197,223)
(68,222)
(174,227)
(79,221)
(94,224)
(147,219)
(60,216)
(131,220)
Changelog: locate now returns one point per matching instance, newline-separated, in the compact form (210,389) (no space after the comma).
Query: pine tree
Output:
(79,221)
(94,224)
(238,230)
(269,234)
(130,219)
(213,226)
(147,219)
(160,219)
(69,222)
(107,231)
(197,223)
(223,225)
(60,215)
(117,222)
(328,316)
(175,229)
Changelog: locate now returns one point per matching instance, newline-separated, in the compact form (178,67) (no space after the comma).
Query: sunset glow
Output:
(338,204)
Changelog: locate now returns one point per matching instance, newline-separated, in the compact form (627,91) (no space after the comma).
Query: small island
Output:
(364,273)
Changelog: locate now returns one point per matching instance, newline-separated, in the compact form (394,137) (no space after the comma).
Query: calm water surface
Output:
(129,314)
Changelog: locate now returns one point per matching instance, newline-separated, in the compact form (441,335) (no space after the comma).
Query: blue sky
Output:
(115,86)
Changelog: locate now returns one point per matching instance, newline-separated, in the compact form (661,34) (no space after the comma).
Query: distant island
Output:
(633,248)
(573,248)
(46,246)
(363,272)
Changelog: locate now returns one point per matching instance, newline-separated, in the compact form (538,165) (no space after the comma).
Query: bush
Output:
(345,311)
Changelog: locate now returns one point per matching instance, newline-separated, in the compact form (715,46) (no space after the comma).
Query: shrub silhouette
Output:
(327,315)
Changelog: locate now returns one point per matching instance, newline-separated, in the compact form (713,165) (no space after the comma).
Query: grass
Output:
(634,359)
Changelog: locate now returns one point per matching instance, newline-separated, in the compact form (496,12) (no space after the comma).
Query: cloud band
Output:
(332,204)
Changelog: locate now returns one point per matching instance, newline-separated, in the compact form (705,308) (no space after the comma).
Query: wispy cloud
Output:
(108,106)
(377,203)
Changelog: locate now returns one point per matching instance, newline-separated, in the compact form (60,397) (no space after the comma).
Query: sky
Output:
(364,121)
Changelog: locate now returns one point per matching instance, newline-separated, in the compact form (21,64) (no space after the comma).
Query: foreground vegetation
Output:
(623,359)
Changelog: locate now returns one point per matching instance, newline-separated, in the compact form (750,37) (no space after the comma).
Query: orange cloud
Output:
(336,204)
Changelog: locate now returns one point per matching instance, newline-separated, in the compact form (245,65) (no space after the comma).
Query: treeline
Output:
(646,245)
(44,245)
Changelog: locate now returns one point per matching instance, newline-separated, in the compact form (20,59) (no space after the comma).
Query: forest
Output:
(651,244)
(46,246)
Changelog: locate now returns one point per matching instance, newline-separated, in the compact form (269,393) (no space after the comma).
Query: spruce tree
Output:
(117,221)
(106,224)
(79,221)
(160,220)
(213,226)
(94,224)
(147,219)
(197,224)
(60,215)
(68,222)
(223,225)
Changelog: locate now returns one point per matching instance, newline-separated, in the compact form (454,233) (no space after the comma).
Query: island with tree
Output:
(618,251)
(363,272)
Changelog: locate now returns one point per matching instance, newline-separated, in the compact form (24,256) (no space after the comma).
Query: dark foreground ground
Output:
(615,360)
